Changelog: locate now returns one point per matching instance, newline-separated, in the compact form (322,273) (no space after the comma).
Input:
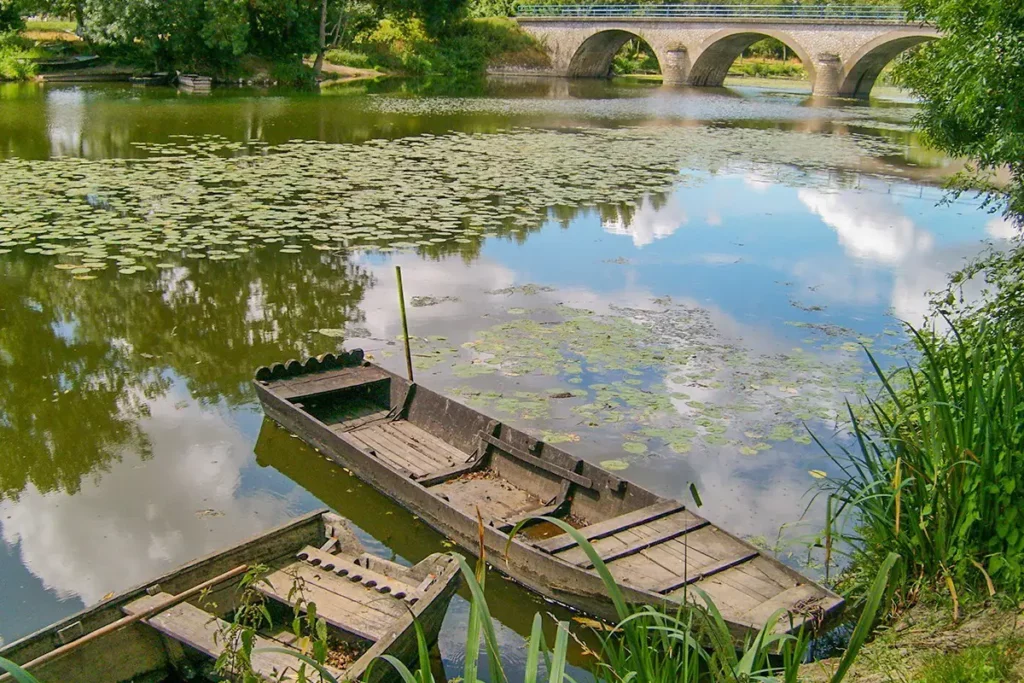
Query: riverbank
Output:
(985,646)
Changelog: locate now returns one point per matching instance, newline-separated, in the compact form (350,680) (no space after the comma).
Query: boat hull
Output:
(540,570)
(138,652)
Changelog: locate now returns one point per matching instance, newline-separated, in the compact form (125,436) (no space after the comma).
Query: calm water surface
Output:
(698,326)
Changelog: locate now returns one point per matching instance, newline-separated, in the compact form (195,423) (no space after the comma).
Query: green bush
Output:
(14,57)
(765,68)
(466,50)
(355,60)
(635,57)
(937,470)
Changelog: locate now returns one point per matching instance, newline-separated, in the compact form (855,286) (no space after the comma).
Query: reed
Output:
(936,469)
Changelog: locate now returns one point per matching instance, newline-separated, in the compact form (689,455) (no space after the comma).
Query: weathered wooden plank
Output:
(643,544)
(363,613)
(688,560)
(721,566)
(609,527)
(200,630)
(357,422)
(315,384)
(449,473)
(399,449)
(367,440)
(437,459)
(427,441)
(562,472)
(343,567)
(496,498)
(787,600)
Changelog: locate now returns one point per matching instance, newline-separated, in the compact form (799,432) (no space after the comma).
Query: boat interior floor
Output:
(402,444)
(500,502)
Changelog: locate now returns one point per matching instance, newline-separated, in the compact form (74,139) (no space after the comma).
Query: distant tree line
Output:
(216,34)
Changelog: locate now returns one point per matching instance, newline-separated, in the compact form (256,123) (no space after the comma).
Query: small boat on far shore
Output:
(195,82)
(177,624)
(451,465)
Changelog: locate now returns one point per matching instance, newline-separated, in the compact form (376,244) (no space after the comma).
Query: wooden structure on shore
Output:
(448,463)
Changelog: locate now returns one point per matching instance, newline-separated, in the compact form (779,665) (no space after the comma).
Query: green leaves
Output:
(936,472)
(972,81)
(18,673)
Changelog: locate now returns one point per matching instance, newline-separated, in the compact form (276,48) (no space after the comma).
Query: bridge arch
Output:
(864,66)
(717,53)
(593,58)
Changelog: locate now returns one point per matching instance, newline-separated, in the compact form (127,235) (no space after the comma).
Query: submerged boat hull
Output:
(151,650)
(410,450)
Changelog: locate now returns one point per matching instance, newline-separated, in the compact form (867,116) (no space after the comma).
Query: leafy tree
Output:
(10,16)
(972,84)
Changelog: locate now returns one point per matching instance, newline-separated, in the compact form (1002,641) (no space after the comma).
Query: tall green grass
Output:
(936,472)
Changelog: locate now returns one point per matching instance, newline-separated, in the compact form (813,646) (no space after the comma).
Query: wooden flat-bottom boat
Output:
(446,462)
(195,82)
(368,603)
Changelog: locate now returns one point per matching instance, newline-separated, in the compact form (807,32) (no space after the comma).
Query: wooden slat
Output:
(786,600)
(344,567)
(351,607)
(645,543)
(368,442)
(436,456)
(609,527)
(357,422)
(382,440)
(319,383)
(441,476)
(426,440)
(200,630)
(679,582)
(562,472)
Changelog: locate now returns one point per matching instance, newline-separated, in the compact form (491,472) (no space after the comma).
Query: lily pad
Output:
(614,465)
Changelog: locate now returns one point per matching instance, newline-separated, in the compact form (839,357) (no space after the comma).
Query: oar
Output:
(131,619)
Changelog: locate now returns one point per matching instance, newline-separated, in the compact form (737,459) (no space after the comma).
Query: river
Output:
(695,273)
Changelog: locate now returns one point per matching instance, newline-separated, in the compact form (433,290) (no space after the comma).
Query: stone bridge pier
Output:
(842,58)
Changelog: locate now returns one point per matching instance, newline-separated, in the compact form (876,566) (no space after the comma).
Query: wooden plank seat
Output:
(319,383)
(201,631)
(355,573)
(348,597)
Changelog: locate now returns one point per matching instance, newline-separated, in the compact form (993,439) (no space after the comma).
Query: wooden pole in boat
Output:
(405,324)
(132,618)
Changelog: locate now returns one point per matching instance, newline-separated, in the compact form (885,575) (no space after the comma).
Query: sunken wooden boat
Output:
(445,462)
(369,605)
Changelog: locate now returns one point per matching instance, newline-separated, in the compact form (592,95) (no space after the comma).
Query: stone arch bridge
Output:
(843,49)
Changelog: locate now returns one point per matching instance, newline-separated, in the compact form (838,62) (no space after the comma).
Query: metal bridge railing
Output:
(827,12)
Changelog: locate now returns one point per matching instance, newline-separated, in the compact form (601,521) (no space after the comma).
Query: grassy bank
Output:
(404,47)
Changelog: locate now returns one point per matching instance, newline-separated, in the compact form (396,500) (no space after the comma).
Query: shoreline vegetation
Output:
(933,468)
